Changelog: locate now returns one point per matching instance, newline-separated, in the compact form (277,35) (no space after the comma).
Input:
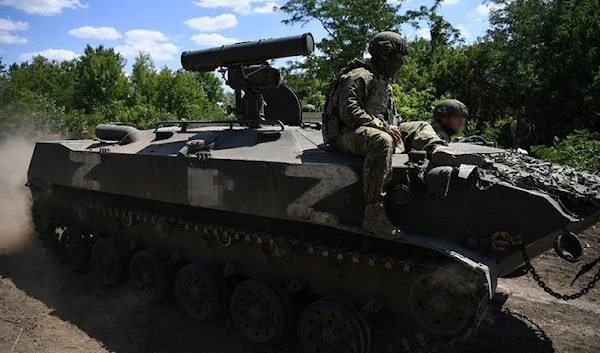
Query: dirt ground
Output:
(46,308)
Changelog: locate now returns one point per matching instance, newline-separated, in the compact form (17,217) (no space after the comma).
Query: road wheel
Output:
(76,250)
(259,312)
(148,276)
(107,261)
(327,326)
(199,292)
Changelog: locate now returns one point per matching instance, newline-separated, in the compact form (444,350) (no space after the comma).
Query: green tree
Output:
(40,78)
(441,32)
(143,79)
(549,52)
(71,97)
(309,87)
(164,87)
(181,94)
(212,86)
(349,25)
(3,79)
(100,80)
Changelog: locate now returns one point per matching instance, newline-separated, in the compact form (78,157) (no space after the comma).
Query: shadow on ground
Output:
(503,331)
(112,316)
(122,324)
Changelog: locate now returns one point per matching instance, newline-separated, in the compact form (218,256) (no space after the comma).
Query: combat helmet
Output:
(449,107)
(384,49)
(388,43)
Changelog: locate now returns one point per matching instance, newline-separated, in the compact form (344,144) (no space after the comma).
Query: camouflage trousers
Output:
(378,146)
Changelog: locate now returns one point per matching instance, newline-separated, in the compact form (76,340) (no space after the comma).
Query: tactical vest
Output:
(379,102)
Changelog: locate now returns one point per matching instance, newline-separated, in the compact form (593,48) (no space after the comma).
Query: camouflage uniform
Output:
(365,106)
(441,131)
(446,155)
(357,120)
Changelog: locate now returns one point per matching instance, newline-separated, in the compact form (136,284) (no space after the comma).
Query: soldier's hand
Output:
(395,132)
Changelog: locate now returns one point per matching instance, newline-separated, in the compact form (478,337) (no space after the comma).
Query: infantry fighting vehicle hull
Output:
(256,220)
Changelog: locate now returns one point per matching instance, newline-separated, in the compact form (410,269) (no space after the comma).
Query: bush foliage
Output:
(70,98)
(578,150)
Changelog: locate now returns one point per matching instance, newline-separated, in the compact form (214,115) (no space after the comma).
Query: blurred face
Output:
(395,63)
(400,57)
(454,123)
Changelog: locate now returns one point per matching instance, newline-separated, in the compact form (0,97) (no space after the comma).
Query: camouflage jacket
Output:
(441,131)
(362,98)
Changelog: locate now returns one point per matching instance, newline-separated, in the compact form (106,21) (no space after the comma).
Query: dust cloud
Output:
(16,226)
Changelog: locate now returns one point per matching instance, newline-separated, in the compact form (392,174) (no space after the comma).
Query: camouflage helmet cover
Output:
(449,107)
(386,43)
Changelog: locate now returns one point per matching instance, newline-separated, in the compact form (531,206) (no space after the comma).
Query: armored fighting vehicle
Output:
(253,219)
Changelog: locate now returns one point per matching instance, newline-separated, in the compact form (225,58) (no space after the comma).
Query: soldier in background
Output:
(360,118)
(449,117)
(523,134)
(518,136)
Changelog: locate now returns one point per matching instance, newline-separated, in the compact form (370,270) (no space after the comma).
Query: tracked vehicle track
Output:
(261,308)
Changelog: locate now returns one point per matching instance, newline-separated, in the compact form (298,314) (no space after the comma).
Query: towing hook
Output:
(568,246)
(503,241)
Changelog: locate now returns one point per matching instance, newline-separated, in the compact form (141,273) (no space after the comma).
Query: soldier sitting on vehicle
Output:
(360,118)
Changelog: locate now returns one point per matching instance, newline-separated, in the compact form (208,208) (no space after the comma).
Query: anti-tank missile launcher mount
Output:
(262,224)
(246,70)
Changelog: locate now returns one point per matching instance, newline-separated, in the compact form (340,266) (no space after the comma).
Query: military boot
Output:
(376,221)
(446,156)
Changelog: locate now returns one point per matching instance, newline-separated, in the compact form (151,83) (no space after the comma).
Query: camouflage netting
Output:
(532,173)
